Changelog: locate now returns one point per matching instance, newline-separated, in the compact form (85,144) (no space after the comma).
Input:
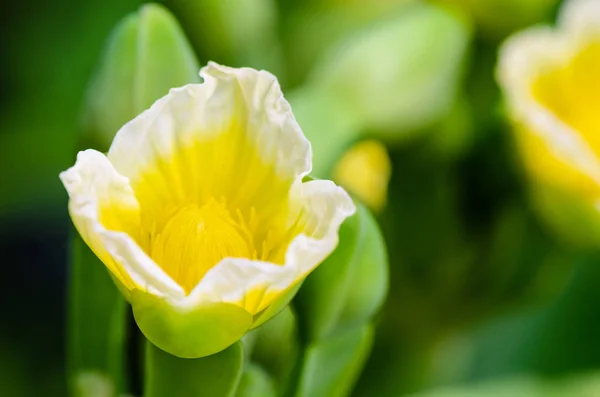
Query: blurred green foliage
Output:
(479,290)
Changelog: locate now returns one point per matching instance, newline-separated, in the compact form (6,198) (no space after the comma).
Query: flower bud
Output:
(364,170)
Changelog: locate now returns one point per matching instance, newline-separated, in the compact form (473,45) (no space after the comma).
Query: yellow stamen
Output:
(196,238)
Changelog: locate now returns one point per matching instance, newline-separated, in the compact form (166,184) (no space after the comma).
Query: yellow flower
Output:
(365,171)
(551,84)
(200,213)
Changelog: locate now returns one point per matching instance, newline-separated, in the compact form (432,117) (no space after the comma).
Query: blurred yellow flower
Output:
(365,171)
(200,213)
(550,78)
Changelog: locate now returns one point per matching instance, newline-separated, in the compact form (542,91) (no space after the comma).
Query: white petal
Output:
(580,18)
(255,284)
(105,212)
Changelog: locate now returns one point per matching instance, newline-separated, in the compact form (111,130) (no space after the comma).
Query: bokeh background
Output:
(483,298)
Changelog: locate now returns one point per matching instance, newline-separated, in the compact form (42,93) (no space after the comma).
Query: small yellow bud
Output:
(365,170)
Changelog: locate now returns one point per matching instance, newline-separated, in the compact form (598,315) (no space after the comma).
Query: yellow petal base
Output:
(196,238)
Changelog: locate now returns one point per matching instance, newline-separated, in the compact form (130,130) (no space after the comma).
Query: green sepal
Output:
(217,375)
(146,55)
(349,287)
(96,335)
(331,366)
(189,332)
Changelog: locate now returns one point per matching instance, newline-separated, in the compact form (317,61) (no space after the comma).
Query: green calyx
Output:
(193,332)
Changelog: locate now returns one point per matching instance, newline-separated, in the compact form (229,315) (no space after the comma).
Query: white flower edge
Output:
(521,59)
(92,183)
(185,112)
(231,279)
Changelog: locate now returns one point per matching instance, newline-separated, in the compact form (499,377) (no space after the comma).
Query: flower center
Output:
(196,238)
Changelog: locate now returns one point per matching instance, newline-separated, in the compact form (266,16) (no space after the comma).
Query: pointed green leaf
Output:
(109,102)
(332,365)
(146,55)
(368,283)
(165,58)
(349,286)
(215,376)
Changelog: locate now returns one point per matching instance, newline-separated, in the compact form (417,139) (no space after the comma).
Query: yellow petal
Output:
(106,214)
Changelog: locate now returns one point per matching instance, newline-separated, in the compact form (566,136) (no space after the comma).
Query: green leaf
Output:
(147,54)
(97,313)
(215,376)
(276,347)
(255,382)
(329,127)
(332,365)
(348,288)
(165,58)
(368,282)
(233,32)
(397,76)
(313,27)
